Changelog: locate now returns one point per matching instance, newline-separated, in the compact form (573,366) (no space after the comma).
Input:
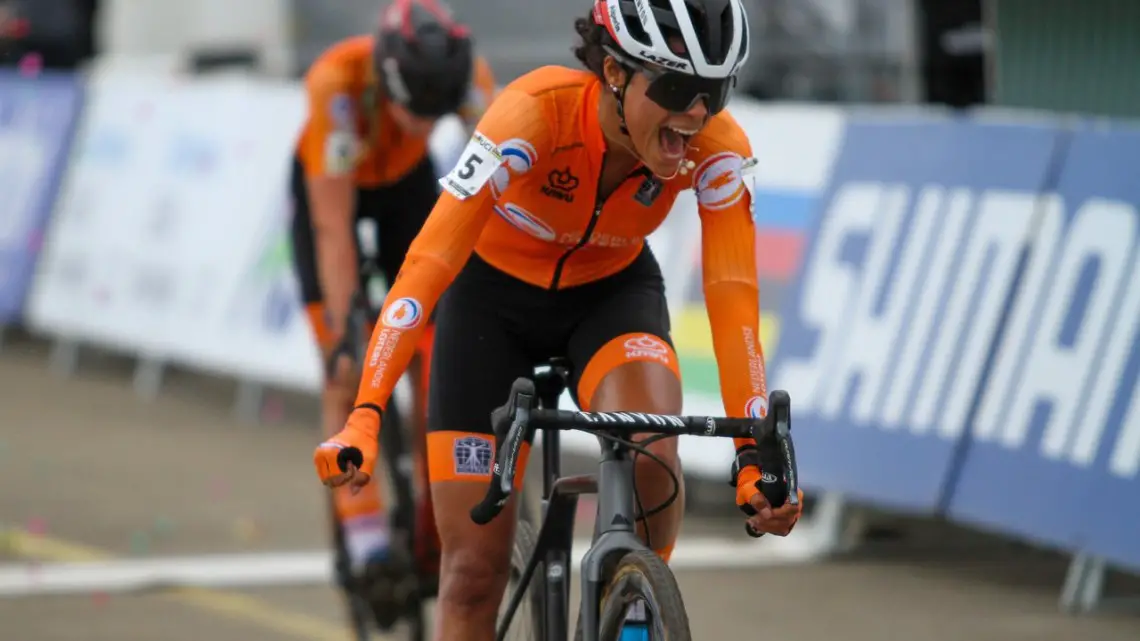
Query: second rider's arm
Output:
(329,155)
(333,201)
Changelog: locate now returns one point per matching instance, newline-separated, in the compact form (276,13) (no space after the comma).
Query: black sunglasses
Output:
(679,92)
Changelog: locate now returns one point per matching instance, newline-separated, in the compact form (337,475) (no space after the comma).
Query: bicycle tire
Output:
(642,575)
(529,501)
(397,458)
(526,539)
(417,625)
(400,464)
(407,590)
(359,613)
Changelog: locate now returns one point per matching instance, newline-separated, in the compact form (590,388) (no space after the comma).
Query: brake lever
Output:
(515,415)
(776,430)
(511,447)
(788,453)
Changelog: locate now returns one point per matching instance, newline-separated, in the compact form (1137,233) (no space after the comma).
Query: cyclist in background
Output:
(363,153)
(539,242)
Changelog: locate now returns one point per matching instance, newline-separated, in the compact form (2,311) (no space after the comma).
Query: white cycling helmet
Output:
(703,38)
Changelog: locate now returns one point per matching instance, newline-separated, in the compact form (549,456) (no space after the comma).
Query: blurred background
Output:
(946,202)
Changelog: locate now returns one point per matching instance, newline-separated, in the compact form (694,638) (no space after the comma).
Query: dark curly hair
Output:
(590,51)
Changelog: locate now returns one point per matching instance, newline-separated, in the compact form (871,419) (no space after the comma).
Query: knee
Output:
(473,576)
(638,386)
(475,560)
(666,450)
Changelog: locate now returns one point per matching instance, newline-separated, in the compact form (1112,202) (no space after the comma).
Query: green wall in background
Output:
(1079,56)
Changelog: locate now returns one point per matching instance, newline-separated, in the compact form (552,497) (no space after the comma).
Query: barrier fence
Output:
(960,297)
(963,334)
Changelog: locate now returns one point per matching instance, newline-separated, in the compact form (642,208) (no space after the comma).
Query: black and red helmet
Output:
(424,57)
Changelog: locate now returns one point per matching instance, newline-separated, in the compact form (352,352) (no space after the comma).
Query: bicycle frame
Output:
(615,534)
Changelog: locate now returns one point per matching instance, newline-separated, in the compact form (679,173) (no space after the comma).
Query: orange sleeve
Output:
(330,145)
(435,257)
(732,295)
(482,92)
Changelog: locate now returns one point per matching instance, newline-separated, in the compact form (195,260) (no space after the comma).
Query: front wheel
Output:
(641,576)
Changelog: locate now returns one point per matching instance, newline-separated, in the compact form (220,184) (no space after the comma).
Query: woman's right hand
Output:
(349,458)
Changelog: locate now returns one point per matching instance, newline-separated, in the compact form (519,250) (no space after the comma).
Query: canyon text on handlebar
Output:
(517,422)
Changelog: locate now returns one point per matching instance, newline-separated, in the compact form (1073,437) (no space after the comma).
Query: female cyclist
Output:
(539,242)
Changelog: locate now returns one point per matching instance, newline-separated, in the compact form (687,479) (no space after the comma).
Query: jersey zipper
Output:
(599,202)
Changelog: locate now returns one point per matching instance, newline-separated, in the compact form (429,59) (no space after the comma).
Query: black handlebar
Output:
(516,422)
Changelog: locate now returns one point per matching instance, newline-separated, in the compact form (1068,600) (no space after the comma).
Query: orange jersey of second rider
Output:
(524,196)
(348,129)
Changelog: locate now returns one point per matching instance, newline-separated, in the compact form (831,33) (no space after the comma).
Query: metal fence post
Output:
(247,404)
(64,358)
(148,377)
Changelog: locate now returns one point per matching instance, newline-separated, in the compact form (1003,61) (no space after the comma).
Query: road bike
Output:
(619,570)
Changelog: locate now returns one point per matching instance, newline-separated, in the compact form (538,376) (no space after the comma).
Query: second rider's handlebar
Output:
(518,420)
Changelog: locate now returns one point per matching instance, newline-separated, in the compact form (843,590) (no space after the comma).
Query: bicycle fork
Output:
(615,534)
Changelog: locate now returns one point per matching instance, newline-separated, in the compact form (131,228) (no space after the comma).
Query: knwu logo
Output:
(906,288)
(560,185)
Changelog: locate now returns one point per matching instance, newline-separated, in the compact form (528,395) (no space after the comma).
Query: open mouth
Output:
(674,141)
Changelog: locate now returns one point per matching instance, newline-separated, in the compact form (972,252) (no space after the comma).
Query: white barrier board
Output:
(170,236)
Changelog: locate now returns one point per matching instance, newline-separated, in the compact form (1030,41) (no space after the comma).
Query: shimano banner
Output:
(908,275)
(1058,425)
(36,120)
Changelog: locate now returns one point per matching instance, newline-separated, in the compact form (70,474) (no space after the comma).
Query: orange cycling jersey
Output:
(348,129)
(524,197)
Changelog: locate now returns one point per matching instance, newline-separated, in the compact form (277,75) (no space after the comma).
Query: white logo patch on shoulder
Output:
(719,182)
(341,151)
(518,156)
(477,164)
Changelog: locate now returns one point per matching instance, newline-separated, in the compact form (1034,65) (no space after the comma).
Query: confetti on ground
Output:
(140,542)
(273,410)
(100,599)
(36,526)
(219,489)
(247,530)
(163,526)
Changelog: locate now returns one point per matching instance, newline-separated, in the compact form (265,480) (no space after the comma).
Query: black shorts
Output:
(399,210)
(492,328)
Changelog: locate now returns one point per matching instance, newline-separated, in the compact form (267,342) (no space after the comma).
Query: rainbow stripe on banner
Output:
(796,148)
(783,219)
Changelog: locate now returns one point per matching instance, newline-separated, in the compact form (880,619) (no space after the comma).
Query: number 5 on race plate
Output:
(479,161)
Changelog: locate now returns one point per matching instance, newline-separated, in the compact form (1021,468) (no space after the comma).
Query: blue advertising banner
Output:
(37,117)
(1059,422)
(910,268)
